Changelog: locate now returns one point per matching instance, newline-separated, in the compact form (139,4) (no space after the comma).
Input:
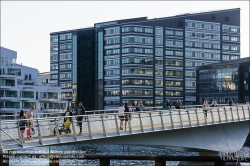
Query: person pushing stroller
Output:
(67,120)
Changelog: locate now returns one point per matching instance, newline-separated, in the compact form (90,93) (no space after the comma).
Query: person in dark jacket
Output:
(80,110)
(22,123)
(166,105)
(126,114)
(68,113)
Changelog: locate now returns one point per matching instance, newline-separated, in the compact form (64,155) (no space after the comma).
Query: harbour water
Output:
(106,149)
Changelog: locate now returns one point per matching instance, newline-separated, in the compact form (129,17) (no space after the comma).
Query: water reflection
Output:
(105,149)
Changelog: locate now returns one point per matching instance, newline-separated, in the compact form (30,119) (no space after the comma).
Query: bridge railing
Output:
(57,114)
(50,130)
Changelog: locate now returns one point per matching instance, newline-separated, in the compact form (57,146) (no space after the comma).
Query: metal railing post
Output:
(19,134)
(129,124)
(116,124)
(232,113)
(141,122)
(225,113)
(103,127)
(171,119)
(57,131)
(189,120)
(197,118)
(244,116)
(180,119)
(248,112)
(74,129)
(162,123)
(238,112)
(151,119)
(219,114)
(90,134)
(212,115)
(39,133)
(205,117)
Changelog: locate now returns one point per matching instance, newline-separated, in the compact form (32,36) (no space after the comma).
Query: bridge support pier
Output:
(104,162)
(202,163)
(160,162)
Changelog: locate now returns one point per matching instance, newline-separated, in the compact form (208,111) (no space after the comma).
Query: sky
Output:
(26,25)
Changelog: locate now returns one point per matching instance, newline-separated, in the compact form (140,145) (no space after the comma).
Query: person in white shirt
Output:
(121,115)
(214,103)
(30,115)
(205,107)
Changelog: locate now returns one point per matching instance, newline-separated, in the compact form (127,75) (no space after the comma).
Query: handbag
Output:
(33,130)
(29,132)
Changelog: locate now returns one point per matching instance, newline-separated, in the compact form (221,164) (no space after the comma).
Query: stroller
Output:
(64,128)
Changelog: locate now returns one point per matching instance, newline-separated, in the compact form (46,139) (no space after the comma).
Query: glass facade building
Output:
(143,60)
(223,81)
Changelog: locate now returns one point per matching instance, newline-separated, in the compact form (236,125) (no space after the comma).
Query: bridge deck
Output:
(101,126)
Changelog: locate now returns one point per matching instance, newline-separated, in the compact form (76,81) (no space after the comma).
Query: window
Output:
(178,33)
(234,48)
(190,84)
(53,66)
(159,31)
(169,32)
(226,19)
(66,37)
(159,52)
(53,57)
(226,38)
(169,52)
(65,56)
(53,76)
(158,41)
(54,38)
(54,48)
(169,43)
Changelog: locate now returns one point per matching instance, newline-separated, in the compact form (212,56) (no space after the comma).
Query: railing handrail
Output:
(93,115)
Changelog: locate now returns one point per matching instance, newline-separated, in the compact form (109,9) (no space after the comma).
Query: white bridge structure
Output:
(223,130)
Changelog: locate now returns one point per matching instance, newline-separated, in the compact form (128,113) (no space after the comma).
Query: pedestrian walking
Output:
(121,115)
(205,107)
(80,110)
(22,123)
(30,116)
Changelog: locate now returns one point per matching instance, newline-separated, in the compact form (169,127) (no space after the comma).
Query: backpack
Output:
(22,123)
(177,106)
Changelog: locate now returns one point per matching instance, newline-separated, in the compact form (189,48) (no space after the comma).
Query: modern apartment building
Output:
(19,88)
(224,80)
(140,59)
(44,78)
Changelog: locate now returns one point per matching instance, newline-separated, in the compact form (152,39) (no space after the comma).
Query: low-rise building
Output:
(224,80)
(19,88)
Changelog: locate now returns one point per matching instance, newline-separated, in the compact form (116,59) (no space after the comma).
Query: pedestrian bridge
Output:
(224,129)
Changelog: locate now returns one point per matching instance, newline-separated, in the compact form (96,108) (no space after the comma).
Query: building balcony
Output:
(49,99)
(8,75)
(51,110)
(7,86)
(26,98)
(9,109)
(9,97)
(26,82)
